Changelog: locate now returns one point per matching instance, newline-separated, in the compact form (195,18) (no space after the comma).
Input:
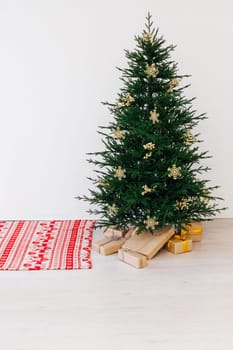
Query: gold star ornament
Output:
(174,172)
(120,173)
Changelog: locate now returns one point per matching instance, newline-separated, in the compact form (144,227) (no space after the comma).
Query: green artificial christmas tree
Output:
(148,174)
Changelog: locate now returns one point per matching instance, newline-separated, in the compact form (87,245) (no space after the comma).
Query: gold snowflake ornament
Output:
(119,134)
(125,101)
(184,203)
(173,83)
(147,155)
(102,183)
(129,99)
(120,173)
(150,223)
(151,70)
(147,37)
(112,209)
(149,146)
(174,172)
(205,200)
(120,105)
(154,116)
(189,138)
(146,189)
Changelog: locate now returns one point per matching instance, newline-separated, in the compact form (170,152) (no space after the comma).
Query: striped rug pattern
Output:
(45,245)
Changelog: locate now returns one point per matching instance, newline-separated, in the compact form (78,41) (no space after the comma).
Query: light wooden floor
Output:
(178,302)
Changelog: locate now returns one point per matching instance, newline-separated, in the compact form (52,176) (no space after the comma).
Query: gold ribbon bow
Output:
(191,230)
(180,238)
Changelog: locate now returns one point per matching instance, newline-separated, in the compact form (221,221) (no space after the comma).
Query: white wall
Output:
(57,62)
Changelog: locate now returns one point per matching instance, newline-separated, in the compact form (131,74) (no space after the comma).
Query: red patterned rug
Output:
(45,245)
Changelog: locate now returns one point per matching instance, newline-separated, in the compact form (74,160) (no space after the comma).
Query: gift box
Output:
(148,244)
(179,244)
(194,230)
(132,258)
(113,233)
(130,232)
(107,246)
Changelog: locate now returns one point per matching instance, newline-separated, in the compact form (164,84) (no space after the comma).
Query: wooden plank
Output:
(111,247)
(148,244)
(97,244)
(113,233)
(131,232)
(132,258)
(136,242)
(158,240)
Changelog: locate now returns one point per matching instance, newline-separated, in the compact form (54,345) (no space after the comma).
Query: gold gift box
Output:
(179,244)
(194,230)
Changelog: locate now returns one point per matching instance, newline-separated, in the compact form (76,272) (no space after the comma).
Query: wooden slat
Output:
(112,247)
(148,244)
(132,258)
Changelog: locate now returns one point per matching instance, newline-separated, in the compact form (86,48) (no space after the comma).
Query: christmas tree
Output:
(148,176)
